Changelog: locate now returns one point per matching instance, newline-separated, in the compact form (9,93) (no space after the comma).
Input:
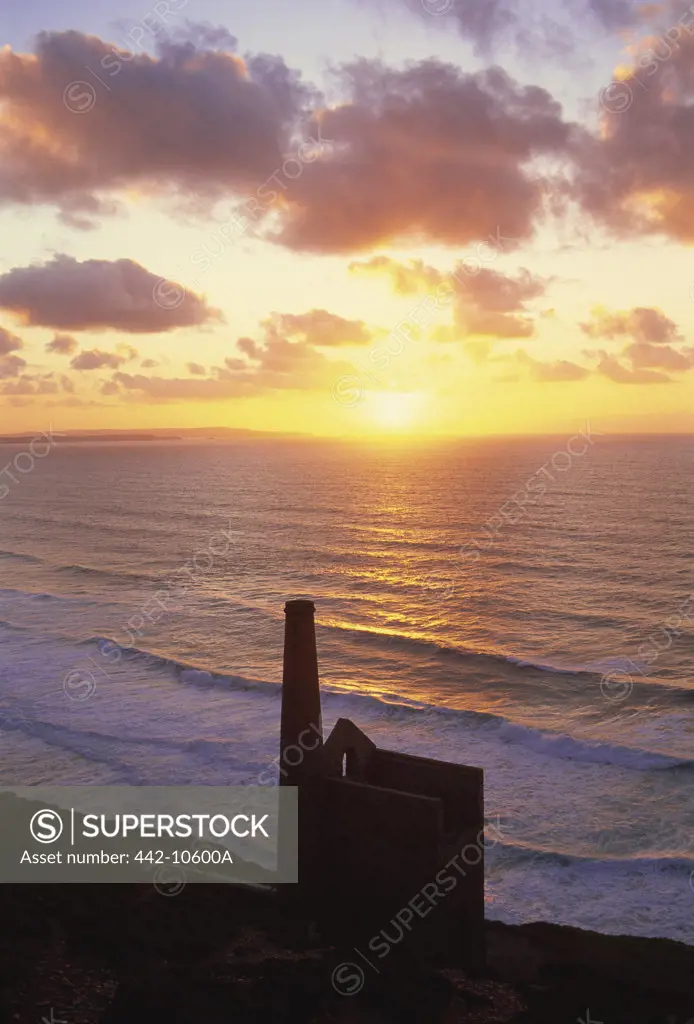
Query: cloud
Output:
(200,35)
(555,372)
(485,301)
(9,342)
(249,347)
(562,370)
(149,364)
(644,355)
(650,350)
(95,359)
(494,304)
(170,389)
(424,153)
(288,356)
(230,370)
(62,344)
(480,21)
(407,278)
(192,118)
(638,177)
(607,366)
(11,366)
(76,403)
(642,324)
(296,365)
(491,24)
(610,367)
(616,14)
(30,385)
(100,295)
(320,328)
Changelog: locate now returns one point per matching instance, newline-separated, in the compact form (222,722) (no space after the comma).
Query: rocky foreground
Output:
(222,955)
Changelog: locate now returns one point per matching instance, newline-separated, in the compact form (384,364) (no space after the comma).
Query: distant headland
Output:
(156,434)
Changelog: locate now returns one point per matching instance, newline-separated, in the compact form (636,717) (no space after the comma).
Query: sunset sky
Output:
(215,213)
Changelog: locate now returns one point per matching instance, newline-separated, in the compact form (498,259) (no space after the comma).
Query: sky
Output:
(352,217)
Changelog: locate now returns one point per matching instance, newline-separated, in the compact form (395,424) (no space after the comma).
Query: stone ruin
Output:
(390,845)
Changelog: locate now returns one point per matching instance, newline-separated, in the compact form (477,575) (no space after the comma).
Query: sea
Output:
(525,605)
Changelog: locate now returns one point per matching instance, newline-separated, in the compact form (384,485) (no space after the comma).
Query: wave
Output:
(19,556)
(88,570)
(385,705)
(32,595)
(80,570)
(106,748)
(520,853)
(14,626)
(592,672)
(567,748)
(186,672)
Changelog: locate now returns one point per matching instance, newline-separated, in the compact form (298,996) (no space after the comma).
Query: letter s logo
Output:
(46,826)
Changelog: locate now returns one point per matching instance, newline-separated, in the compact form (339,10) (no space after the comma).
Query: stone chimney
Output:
(301,732)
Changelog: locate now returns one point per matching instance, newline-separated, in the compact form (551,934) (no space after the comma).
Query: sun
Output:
(395,410)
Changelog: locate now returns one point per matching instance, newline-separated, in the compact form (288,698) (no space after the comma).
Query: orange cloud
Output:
(485,301)
(72,142)
(429,152)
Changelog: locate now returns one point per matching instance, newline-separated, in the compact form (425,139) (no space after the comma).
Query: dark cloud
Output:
(191,118)
(149,364)
(195,369)
(100,295)
(63,344)
(428,152)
